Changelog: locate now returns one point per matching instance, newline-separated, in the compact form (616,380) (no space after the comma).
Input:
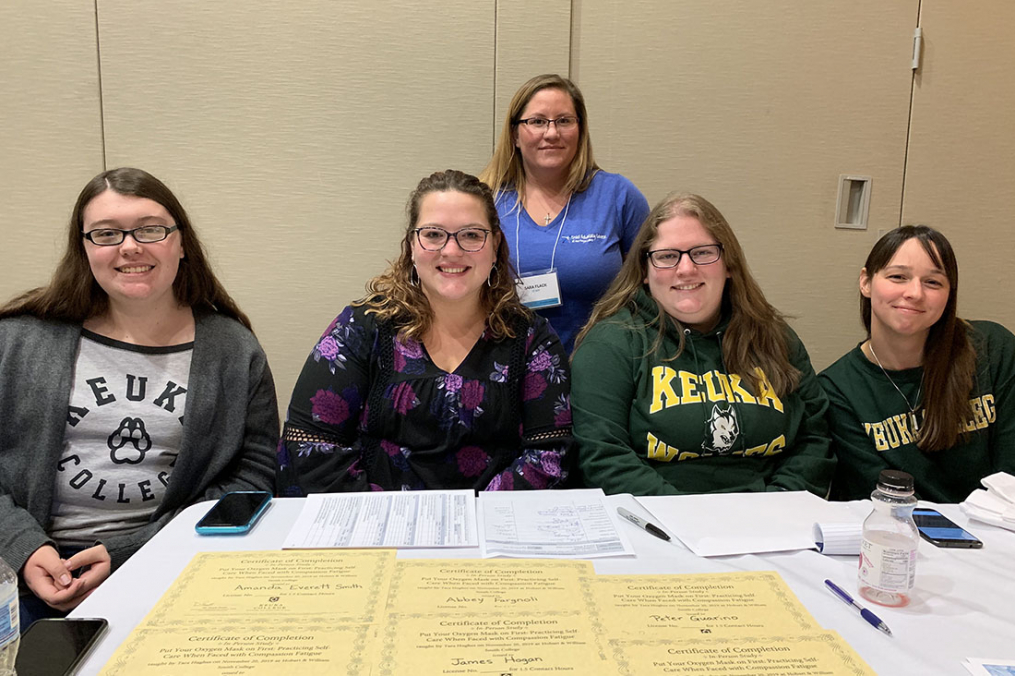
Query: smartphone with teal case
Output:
(235,513)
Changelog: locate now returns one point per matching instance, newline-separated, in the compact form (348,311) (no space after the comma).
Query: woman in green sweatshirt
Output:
(686,380)
(926,392)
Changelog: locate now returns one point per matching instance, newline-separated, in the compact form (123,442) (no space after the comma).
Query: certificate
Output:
(690,606)
(490,586)
(491,645)
(251,651)
(814,653)
(229,590)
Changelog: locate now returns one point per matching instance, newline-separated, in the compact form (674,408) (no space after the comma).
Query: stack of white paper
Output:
(996,505)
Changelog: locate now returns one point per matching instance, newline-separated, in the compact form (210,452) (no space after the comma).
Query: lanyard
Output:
(553,256)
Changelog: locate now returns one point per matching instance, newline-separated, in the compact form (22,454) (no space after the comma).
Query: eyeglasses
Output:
(565,123)
(146,234)
(706,254)
(467,239)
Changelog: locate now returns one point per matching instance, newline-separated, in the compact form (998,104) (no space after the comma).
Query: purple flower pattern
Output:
(434,417)
(472,461)
(403,398)
(328,407)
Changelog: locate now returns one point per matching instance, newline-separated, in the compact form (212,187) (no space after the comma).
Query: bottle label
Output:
(887,568)
(8,619)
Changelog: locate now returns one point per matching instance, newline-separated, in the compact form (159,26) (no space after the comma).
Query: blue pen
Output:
(872,619)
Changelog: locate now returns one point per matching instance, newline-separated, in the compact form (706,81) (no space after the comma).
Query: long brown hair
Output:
(757,335)
(73,295)
(393,296)
(949,357)
(505,170)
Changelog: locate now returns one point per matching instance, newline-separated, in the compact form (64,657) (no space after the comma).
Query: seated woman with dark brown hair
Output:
(439,378)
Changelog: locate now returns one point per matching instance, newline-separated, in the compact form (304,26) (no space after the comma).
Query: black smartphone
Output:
(55,647)
(235,513)
(935,527)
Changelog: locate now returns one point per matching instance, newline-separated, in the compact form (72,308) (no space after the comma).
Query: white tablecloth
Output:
(963,605)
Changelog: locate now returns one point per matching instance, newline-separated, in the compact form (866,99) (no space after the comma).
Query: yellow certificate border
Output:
(360,659)
(382,561)
(848,658)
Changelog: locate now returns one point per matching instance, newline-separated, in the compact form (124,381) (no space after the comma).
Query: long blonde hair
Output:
(393,296)
(505,170)
(757,335)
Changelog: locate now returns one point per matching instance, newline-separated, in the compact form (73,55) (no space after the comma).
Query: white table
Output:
(963,605)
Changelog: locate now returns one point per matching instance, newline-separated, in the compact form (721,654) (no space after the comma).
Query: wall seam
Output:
(493,104)
(98,68)
(909,124)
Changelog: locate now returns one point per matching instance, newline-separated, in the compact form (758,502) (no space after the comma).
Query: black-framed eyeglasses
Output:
(563,123)
(146,234)
(706,254)
(432,238)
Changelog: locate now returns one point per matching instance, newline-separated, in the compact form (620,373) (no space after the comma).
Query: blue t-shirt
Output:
(601,223)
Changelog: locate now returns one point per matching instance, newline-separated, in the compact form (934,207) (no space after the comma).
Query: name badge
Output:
(539,290)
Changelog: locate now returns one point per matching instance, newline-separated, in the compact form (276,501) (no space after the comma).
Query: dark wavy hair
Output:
(73,294)
(393,297)
(949,358)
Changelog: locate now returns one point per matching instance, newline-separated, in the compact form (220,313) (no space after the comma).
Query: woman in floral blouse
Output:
(439,378)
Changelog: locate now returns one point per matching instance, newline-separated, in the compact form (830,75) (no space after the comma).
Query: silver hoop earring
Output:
(414,277)
(492,276)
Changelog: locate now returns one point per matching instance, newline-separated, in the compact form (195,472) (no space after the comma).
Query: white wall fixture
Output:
(854,202)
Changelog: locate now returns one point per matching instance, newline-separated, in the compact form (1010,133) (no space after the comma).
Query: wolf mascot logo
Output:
(723,430)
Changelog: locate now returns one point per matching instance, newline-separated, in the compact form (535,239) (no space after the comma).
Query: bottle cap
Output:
(896,480)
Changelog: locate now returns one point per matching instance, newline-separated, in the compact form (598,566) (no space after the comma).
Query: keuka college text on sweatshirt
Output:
(650,425)
(873,429)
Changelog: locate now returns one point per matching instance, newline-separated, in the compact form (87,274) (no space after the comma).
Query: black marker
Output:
(643,524)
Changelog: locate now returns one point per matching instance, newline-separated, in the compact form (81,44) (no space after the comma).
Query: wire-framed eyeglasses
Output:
(146,234)
(563,123)
(706,254)
(432,238)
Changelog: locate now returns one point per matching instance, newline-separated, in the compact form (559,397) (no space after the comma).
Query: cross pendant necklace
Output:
(548,218)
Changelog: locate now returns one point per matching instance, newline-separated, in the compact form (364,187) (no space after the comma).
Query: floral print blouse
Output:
(371,411)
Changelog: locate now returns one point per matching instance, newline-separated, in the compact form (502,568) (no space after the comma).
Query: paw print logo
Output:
(131,432)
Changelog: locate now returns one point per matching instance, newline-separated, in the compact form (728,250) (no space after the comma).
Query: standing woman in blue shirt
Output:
(568,222)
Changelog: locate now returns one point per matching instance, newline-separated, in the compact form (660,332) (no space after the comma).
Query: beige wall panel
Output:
(759,107)
(533,37)
(294,133)
(960,174)
(50,132)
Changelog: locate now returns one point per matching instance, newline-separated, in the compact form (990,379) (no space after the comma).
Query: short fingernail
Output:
(65,579)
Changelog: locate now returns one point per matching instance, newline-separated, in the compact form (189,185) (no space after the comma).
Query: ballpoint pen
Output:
(643,524)
(867,615)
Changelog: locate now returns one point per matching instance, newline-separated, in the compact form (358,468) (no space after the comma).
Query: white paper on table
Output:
(839,538)
(979,666)
(1002,485)
(720,524)
(573,524)
(386,519)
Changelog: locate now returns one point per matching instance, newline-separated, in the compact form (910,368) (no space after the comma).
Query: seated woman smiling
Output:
(130,388)
(927,392)
(439,378)
(686,380)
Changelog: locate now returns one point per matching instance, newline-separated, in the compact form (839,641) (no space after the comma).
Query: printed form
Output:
(549,524)
(386,519)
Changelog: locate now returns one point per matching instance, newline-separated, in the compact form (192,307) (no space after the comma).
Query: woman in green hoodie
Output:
(686,380)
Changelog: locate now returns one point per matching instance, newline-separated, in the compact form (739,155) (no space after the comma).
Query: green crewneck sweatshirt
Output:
(648,426)
(871,425)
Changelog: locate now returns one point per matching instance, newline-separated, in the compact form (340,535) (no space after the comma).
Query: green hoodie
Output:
(648,426)
(872,428)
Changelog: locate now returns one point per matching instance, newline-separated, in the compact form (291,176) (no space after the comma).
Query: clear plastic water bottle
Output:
(10,636)
(888,549)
